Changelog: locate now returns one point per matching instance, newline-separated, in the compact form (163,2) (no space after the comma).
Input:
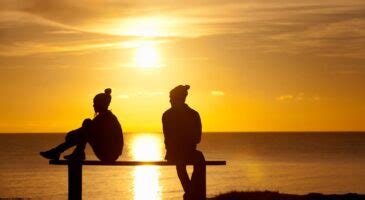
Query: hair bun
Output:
(108,91)
(187,87)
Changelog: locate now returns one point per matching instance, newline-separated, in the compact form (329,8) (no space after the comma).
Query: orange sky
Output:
(252,65)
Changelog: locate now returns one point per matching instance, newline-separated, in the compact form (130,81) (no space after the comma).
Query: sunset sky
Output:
(268,65)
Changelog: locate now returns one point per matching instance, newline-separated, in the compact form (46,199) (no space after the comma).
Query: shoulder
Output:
(193,112)
(112,116)
(106,116)
(194,115)
(166,113)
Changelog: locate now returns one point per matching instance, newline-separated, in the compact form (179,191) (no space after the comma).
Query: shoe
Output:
(52,154)
(187,196)
(75,156)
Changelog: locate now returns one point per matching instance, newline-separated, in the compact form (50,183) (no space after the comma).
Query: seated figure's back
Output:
(106,136)
(182,129)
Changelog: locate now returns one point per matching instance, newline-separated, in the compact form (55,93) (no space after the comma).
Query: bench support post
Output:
(74,180)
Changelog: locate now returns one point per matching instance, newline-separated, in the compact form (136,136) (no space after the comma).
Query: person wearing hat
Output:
(103,133)
(182,130)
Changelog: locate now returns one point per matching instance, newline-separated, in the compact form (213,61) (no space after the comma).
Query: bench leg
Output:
(205,181)
(75,181)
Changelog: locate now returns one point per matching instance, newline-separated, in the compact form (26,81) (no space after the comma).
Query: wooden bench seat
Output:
(75,171)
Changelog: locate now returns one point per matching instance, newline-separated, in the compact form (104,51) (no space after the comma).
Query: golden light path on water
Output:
(147,147)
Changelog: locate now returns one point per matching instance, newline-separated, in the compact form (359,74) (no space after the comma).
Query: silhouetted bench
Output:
(75,171)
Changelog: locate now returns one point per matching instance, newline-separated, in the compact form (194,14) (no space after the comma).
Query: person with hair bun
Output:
(182,129)
(103,133)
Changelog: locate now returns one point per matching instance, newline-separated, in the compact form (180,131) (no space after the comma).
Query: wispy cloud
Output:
(104,68)
(330,29)
(123,96)
(217,93)
(285,97)
(316,98)
(297,97)
(32,48)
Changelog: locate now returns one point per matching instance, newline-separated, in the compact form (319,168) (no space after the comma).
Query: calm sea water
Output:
(285,162)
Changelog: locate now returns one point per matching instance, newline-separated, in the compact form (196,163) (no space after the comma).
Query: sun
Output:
(146,56)
(147,147)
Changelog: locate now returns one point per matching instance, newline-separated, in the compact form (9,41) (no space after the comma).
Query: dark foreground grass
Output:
(268,195)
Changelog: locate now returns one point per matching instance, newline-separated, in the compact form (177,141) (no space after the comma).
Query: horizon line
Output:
(223,132)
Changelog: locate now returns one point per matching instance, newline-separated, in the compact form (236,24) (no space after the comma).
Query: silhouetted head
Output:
(178,95)
(102,101)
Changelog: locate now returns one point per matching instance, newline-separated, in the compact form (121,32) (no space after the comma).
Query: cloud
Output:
(330,28)
(68,11)
(104,68)
(32,48)
(316,98)
(217,93)
(324,29)
(298,97)
(285,97)
(123,96)
(24,34)
(64,32)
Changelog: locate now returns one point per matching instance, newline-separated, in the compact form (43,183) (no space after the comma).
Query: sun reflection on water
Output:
(147,147)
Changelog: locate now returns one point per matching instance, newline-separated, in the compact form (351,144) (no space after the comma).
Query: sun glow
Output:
(146,56)
(146,27)
(146,148)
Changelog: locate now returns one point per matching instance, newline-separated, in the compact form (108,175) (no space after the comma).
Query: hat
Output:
(180,91)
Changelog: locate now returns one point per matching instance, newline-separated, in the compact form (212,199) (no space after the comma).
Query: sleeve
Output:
(197,128)
(165,130)
(119,130)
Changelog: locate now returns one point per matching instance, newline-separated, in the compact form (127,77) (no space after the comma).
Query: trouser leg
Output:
(184,177)
(198,177)
(74,138)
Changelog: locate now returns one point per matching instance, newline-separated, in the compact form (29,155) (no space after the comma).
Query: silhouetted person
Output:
(182,130)
(103,133)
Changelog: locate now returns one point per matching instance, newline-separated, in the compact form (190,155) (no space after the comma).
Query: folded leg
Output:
(76,138)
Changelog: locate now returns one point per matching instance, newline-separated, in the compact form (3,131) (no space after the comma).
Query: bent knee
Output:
(107,158)
(86,123)
(76,135)
(70,136)
(199,156)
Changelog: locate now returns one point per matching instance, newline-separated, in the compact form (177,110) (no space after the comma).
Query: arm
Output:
(197,128)
(165,129)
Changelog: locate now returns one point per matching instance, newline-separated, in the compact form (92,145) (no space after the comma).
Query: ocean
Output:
(287,162)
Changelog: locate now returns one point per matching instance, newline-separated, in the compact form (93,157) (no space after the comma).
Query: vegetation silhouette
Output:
(182,130)
(268,195)
(103,133)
